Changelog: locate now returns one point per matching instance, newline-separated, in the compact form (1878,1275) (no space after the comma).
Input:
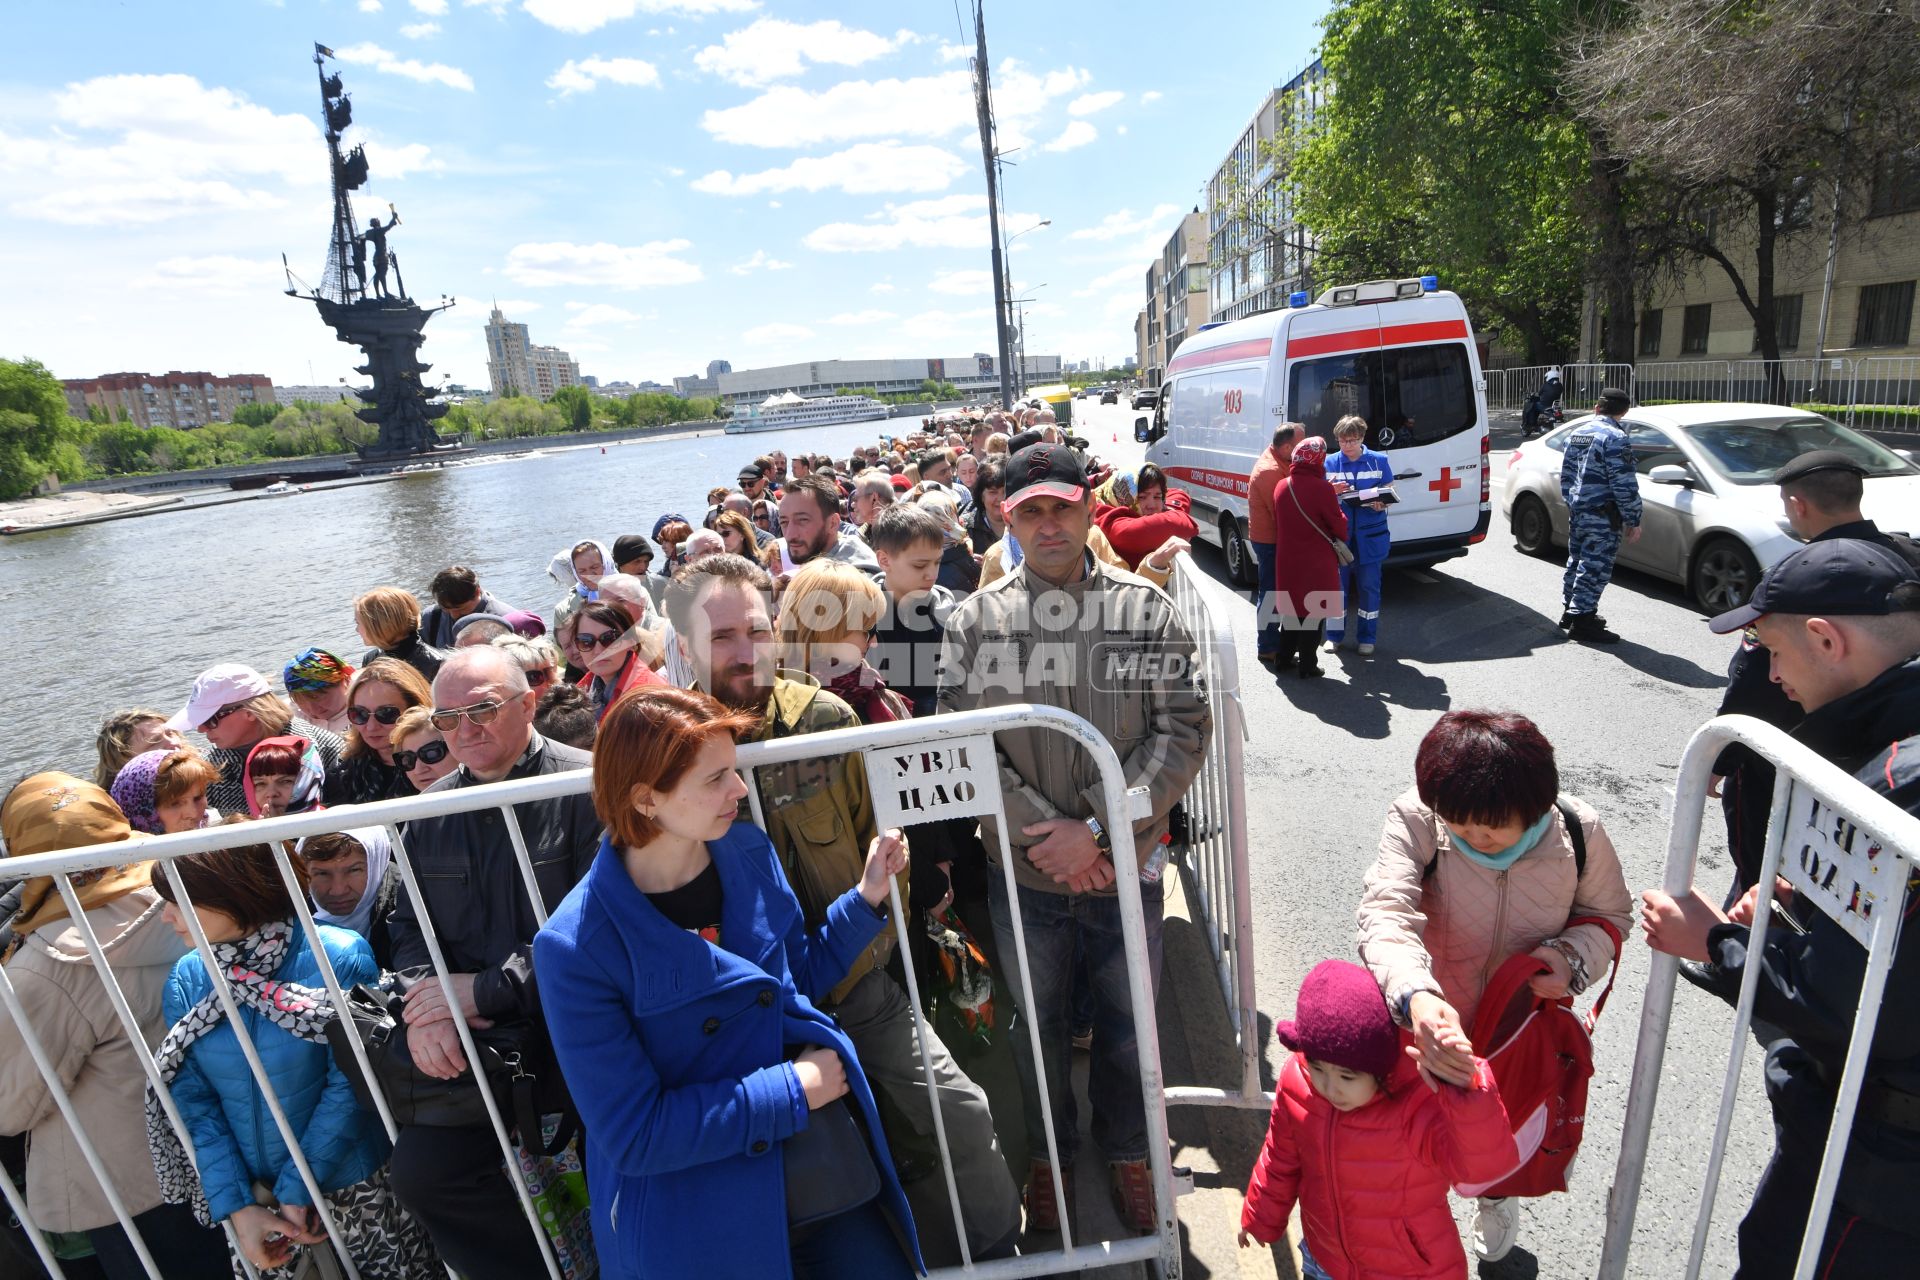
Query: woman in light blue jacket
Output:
(245,1175)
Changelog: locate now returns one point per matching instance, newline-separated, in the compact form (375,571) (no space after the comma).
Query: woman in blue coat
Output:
(244,910)
(1355,469)
(671,981)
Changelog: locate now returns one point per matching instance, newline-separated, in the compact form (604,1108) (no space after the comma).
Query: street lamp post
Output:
(1020,361)
(1020,337)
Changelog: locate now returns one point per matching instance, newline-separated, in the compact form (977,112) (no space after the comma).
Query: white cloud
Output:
(1121,130)
(513,306)
(432,8)
(604,265)
(420,30)
(396,162)
(1124,223)
(1089,103)
(589,315)
(772,49)
(778,331)
(1151,96)
(582,75)
(144,148)
(383,60)
(881,287)
(950,222)
(215,275)
(578,17)
(964,283)
(923,106)
(1119,275)
(759,262)
(369,6)
(977,322)
(869,316)
(866,168)
(948,52)
(1078,133)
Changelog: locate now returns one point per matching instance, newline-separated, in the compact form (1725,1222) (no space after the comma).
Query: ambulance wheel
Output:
(1532,526)
(1242,567)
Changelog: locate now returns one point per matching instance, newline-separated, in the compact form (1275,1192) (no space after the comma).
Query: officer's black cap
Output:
(1837,577)
(1614,395)
(1818,460)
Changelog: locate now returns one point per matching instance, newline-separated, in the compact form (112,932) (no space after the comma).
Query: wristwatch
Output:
(1400,1005)
(1100,836)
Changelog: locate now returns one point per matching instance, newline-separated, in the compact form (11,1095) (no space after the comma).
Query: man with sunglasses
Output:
(477,904)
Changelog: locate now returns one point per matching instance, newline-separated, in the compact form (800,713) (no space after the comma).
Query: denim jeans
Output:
(859,1242)
(1052,923)
(1265,555)
(1310,1268)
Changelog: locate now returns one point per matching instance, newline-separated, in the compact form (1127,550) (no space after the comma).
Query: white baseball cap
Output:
(217,687)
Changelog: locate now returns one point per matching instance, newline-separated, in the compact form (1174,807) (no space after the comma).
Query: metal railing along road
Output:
(1847,852)
(956,750)
(1872,393)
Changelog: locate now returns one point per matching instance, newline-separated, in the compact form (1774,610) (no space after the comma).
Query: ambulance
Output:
(1399,353)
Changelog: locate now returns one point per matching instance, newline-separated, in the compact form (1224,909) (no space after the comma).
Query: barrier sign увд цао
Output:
(939,778)
(1837,867)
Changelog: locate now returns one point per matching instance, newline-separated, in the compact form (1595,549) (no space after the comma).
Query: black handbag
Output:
(830,1167)
(416,1098)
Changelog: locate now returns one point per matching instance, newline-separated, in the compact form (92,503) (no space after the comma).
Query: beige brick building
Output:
(172,399)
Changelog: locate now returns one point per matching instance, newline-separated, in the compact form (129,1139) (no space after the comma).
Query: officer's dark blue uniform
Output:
(1368,536)
(1603,500)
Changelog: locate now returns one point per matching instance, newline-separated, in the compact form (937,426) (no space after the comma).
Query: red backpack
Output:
(1542,1057)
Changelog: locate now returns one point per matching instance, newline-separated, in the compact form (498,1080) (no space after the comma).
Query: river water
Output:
(127,613)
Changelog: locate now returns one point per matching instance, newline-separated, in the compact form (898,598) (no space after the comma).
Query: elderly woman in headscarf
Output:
(1145,521)
(66,1003)
(348,881)
(1307,524)
(284,775)
(579,569)
(164,791)
(316,680)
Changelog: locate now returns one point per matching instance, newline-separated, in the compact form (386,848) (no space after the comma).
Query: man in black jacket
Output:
(453,1179)
(456,593)
(1821,493)
(1841,621)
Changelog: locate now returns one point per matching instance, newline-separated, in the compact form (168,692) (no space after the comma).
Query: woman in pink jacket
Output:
(1476,865)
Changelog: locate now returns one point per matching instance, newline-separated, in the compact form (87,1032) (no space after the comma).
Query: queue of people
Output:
(715,1005)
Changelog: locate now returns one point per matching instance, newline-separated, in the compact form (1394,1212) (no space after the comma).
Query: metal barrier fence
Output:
(1873,393)
(1216,852)
(1852,853)
(887,750)
(1580,384)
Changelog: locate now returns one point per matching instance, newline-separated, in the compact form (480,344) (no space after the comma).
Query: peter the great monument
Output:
(374,315)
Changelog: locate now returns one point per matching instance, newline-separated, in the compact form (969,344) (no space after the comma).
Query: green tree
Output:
(256,415)
(576,406)
(37,434)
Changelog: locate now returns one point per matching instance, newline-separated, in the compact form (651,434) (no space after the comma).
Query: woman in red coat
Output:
(1365,1145)
(1307,521)
(1142,519)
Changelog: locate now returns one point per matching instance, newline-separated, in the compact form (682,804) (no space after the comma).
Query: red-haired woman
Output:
(1476,865)
(672,980)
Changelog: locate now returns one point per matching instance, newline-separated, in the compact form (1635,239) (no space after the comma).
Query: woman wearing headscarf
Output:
(1307,522)
(66,1003)
(283,776)
(579,568)
(265,959)
(161,792)
(348,882)
(316,680)
(1145,522)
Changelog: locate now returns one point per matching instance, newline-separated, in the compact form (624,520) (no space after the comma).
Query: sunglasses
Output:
(385,715)
(538,677)
(588,643)
(480,713)
(221,714)
(432,753)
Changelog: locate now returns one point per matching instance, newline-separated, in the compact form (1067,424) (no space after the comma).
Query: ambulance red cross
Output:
(1399,353)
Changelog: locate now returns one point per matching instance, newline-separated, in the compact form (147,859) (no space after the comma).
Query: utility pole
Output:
(983,103)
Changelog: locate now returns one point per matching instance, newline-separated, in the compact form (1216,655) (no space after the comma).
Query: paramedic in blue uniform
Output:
(1354,469)
(1603,505)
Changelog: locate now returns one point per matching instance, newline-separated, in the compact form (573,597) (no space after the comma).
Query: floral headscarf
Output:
(1311,452)
(306,786)
(134,787)
(314,671)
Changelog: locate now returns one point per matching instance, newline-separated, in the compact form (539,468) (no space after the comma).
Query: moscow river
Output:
(127,613)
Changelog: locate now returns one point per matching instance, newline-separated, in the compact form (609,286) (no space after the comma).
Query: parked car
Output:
(1146,397)
(1110,396)
(1712,518)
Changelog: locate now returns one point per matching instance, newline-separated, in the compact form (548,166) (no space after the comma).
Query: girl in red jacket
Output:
(1366,1149)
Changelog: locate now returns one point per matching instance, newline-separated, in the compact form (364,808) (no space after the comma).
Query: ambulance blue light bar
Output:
(1297,298)
(1430,284)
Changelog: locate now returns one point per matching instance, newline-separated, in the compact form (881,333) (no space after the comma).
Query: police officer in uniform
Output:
(1603,505)
(1820,492)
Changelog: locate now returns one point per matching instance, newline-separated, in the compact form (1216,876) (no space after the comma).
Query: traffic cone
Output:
(1116,437)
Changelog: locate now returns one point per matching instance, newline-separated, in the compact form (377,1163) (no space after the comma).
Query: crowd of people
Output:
(712,1023)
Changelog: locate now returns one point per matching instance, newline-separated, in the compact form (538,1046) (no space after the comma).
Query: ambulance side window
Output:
(1321,392)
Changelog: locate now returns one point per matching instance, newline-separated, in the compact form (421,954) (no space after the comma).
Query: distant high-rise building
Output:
(717,367)
(517,367)
(172,399)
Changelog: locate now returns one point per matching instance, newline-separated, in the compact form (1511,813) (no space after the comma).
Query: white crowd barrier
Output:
(1216,852)
(1847,852)
(970,780)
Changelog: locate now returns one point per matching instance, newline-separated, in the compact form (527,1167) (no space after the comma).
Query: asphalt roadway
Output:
(1326,757)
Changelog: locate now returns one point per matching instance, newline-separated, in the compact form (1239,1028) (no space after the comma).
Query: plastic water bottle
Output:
(1157,860)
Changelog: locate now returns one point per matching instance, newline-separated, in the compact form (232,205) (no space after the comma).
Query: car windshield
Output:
(1750,452)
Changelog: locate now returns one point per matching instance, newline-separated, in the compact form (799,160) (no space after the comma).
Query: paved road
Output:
(1328,756)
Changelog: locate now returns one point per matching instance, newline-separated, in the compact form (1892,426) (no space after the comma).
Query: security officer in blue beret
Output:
(1603,505)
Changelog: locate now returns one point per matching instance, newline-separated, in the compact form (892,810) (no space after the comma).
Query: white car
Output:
(1712,517)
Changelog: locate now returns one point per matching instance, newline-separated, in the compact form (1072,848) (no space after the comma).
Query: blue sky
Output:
(648,183)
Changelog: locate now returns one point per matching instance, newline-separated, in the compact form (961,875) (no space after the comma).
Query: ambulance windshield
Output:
(1408,395)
